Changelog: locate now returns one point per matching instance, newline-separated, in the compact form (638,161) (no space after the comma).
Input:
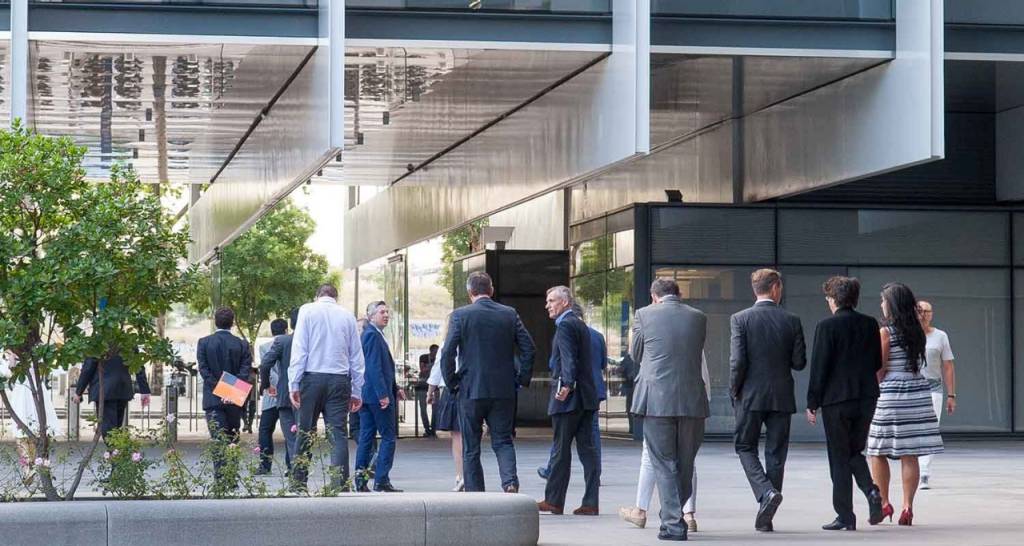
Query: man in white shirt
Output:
(939,371)
(325,376)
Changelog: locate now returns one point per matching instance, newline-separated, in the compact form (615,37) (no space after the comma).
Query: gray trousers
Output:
(673,443)
(326,394)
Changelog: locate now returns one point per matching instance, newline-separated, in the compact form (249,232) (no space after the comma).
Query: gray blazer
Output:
(668,340)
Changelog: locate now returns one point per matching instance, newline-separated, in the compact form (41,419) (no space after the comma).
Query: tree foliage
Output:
(84,268)
(268,271)
(456,244)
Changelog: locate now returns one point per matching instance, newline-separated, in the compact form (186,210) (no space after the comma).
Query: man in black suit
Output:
(846,357)
(117,390)
(767,345)
(573,403)
(485,336)
(426,363)
(217,353)
(280,355)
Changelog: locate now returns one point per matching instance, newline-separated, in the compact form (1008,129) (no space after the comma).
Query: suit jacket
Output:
(217,353)
(117,382)
(280,354)
(485,336)
(668,340)
(379,374)
(572,365)
(846,356)
(599,357)
(767,344)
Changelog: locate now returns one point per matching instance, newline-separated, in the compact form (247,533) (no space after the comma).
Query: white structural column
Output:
(885,118)
(19,60)
(631,59)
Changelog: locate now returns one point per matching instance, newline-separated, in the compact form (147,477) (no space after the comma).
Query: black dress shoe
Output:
(362,488)
(769,505)
(665,535)
(875,515)
(766,529)
(839,525)
(542,472)
(386,488)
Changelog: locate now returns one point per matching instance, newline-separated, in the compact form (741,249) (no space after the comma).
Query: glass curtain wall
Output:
(543,6)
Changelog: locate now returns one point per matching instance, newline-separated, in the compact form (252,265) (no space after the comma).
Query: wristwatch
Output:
(950,396)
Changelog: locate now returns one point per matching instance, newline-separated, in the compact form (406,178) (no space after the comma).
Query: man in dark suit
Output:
(218,353)
(380,393)
(668,344)
(270,412)
(485,336)
(767,345)
(846,357)
(117,390)
(426,363)
(572,406)
(279,355)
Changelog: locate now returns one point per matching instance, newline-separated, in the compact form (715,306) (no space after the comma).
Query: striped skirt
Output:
(904,423)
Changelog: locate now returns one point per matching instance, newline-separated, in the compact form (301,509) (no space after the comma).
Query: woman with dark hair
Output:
(904,426)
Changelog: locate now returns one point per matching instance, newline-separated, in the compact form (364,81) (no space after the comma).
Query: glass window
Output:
(707,235)
(972,306)
(831,9)
(550,6)
(1018,337)
(898,237)
(1018,239)
(592,256)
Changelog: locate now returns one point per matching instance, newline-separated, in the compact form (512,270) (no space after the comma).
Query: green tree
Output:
(268,271)
(85,269)
(456,244)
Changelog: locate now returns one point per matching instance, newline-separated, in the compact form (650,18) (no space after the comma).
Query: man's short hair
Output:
(763,280)
(293,317)
(562,292)
(479,284)
(224,318)
(327,290)
(844,291)
(278,326)
(664,287)
(434,347)
(374,306)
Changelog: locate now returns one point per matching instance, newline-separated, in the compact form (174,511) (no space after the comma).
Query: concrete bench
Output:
(377,520)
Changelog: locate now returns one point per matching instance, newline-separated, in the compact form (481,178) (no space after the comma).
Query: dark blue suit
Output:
(218,353)
(599,359)
(117,389)
(379,382)
(572,419)
(486,337)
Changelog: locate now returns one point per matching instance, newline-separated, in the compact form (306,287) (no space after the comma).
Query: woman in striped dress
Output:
(904,426)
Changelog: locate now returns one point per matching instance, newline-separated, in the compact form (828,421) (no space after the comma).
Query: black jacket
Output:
(846,357)
(280,353)
(217,353)
(767,345)
(572,366)
(117,382)
(486,336)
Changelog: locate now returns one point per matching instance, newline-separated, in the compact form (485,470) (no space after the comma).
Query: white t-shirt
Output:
(936,351)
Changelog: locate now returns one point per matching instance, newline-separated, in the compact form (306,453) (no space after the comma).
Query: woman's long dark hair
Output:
(903,318)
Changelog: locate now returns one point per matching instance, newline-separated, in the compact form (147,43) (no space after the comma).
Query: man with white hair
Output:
(378,413)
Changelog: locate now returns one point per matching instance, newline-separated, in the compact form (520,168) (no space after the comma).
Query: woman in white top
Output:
(20,395)
(637,515)
(939,371)
(446,416)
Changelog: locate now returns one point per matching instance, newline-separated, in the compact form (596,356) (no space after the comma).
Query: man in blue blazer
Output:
(217,353)
(379,393)
(486,337)
(574,401)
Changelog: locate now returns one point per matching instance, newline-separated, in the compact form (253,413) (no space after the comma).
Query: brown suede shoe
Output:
(544,506)
(585,511)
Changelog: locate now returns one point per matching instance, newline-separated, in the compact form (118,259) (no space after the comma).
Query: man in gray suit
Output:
(767,345)
(668,339)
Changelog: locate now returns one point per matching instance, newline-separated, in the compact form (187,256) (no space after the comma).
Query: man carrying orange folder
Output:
(222,358)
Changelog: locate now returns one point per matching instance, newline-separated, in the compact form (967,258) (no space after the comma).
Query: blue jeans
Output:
(597,443)
(326,394)
(373,420)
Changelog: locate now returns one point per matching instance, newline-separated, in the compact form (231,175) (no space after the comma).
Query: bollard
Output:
(171,408)
(74,408)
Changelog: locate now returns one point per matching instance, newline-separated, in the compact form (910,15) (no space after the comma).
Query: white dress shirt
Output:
(325,341)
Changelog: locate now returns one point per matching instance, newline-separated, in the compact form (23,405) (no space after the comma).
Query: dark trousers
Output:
(673,443)
(421,402)
(223,421)
(776,448)
(499,413)
(287,416)
(327,395)
(114,412)
(268,422)
(575,426)
(597,444)
(373,420)
(249,413)
(846,434)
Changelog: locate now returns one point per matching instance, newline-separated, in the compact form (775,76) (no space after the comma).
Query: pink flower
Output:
(38,461)
(295,428)
(256,450)
(114,453)
(136,457)
(106,455)
(22,461)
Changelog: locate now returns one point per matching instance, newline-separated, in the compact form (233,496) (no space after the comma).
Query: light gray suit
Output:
(668,340)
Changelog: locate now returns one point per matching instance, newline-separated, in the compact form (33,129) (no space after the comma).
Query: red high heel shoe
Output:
(906,517)
(887,511)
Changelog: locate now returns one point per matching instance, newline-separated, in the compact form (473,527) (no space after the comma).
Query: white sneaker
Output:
(924,482)
(459,485)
